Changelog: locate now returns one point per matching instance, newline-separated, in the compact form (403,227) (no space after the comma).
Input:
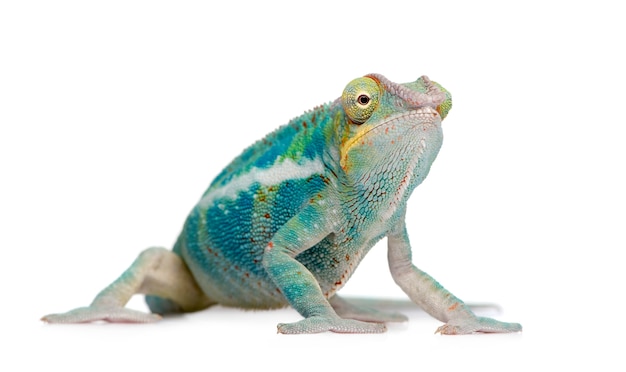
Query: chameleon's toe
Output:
(477,325)
(322,324)
(108,314)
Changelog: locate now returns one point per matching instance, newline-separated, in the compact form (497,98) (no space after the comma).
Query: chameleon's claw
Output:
(318,324)
(477,325)
(108,314)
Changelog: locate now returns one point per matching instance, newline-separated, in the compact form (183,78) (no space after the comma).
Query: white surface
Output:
(115,117)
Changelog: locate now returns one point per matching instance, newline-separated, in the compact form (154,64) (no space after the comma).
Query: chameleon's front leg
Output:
(431,296)
(297,283)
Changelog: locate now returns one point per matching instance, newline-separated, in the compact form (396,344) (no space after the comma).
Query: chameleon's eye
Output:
(360,99)
(363,99)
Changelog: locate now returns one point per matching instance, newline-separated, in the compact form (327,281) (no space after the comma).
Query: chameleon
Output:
(288,221)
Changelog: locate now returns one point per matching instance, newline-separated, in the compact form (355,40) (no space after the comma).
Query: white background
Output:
(116,115)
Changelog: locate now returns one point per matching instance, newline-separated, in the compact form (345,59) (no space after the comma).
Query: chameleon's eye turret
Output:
(360,99)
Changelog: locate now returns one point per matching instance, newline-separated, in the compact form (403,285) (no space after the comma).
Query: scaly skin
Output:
(288,221)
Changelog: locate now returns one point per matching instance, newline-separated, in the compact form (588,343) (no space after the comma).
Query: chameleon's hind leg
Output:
(348,310)
(157,272)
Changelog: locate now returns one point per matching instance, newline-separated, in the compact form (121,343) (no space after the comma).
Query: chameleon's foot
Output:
(477,324)
(108,314)
(318,324)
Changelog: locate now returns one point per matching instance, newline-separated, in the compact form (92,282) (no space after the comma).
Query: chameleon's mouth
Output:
(421,117)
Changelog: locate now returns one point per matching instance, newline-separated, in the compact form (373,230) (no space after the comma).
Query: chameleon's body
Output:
(289,220)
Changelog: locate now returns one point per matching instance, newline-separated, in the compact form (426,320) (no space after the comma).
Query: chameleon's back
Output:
(301,139)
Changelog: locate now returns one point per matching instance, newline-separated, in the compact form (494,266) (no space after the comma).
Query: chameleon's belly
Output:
(223,243)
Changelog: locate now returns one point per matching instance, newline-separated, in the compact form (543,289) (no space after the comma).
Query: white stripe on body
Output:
(282,170)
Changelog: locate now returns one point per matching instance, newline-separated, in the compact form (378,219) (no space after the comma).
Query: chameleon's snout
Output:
(423,92)
(441,97)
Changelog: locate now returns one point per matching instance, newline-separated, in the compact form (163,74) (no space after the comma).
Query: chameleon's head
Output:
(391,125)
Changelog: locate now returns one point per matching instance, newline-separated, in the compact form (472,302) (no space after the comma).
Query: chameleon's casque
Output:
(288,221)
